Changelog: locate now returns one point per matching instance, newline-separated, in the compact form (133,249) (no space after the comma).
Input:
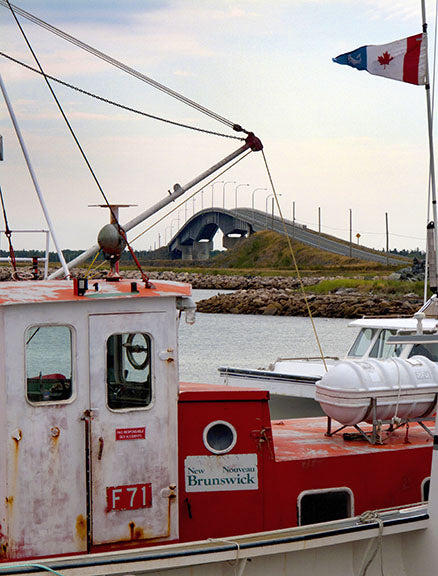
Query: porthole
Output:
(220,437)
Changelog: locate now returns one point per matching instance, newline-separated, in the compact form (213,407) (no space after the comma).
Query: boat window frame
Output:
(381,343)
(375,332)
(73,360)
(207,430)
(305,493)
(426,481)
(151,378)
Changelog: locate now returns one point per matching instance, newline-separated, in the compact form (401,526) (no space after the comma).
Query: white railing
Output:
(29,259)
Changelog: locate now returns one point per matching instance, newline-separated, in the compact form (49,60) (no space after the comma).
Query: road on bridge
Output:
(262,221)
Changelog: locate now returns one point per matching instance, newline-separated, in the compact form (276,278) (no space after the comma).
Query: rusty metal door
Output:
(45,472)
(132,427)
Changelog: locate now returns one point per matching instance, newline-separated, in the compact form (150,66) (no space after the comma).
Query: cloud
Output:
(400,9)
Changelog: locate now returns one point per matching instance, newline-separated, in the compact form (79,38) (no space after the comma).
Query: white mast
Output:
(431,149)
(33,176)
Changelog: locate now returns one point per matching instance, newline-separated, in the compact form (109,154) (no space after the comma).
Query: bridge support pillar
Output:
(201,250)
(230,241)
(186,251)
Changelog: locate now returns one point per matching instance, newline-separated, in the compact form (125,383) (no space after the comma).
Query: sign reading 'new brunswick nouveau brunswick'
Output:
(227,472)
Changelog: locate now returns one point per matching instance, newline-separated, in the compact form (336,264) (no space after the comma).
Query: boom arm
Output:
(251,143)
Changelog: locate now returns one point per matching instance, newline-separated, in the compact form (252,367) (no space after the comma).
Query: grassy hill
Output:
(268,249)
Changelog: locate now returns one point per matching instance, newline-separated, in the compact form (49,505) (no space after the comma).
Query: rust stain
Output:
(3,545)
(18,435)
(81,527)
(10,506)
(131,529)
(138,534)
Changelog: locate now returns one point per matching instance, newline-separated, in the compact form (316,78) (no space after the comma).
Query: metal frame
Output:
(208,428)
(376,436)
(322,491)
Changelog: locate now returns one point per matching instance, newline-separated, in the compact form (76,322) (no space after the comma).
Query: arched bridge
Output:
(194,241)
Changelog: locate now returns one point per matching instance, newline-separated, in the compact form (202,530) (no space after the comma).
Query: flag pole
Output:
(431,149)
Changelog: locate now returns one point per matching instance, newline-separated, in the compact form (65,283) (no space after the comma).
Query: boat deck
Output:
(305,439)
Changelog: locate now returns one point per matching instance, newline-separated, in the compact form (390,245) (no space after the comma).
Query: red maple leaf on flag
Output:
(385,59)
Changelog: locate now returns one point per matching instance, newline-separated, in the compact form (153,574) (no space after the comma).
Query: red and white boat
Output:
(110,466)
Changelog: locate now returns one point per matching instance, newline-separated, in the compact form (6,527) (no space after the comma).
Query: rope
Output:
(40,566)
(370,517)
(23,274)
(122,66)
(117,104)
(236,560)
(295,264)
(119,228)
(91,265)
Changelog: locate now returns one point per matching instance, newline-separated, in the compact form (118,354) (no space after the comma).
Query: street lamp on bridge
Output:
(223,190)
(235,193)
(266,209)
(212,190)
(252,203)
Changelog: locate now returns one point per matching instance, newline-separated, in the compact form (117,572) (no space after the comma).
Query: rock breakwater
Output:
(284,303)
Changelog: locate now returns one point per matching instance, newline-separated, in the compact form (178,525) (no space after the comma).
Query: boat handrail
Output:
(307,358)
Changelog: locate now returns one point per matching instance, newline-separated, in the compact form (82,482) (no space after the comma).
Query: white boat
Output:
(296,378)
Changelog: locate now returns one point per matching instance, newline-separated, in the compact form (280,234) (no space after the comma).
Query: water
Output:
(247,341)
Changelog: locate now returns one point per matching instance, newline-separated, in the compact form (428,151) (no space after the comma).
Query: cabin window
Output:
(48,363)
(220,437)
(381,349)
(129,380)
(428,349)
(425,487)
(362,342)
(317,506)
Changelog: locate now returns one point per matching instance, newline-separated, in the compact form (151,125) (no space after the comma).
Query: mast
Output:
(33,177)
(431,152)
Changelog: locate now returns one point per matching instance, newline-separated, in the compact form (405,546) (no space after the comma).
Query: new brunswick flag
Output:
(403,60)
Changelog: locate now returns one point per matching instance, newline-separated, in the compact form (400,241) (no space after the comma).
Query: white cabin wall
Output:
(420,549)
(34,476)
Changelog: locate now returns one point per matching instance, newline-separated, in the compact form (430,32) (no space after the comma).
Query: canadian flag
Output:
(403,60)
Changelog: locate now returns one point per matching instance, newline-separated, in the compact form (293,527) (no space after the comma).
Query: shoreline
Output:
(274,295)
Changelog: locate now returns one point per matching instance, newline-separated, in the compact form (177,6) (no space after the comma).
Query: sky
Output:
(335,139)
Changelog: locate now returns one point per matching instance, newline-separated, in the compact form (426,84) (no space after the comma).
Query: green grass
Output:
(376,286)
(268,249)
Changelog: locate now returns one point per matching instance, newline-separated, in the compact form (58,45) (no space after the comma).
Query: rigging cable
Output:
(123,67)
(291,250)
(117,104)
(116,222)
(8,234)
